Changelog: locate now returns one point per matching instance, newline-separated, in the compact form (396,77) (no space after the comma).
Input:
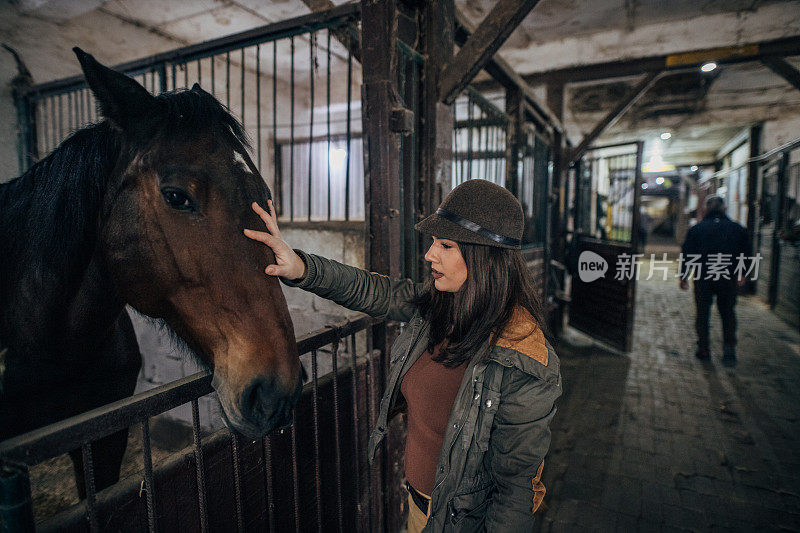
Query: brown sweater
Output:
(430,390)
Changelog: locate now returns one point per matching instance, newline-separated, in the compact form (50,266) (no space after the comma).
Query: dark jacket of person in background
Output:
(717,275)
(715,234)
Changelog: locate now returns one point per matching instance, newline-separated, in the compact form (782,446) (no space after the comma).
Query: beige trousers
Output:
(416,518)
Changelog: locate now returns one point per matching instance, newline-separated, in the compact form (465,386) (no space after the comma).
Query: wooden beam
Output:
(615,114)
(787,46)
(347,36)
(436,128)
(507,77)
(503,19)
(784,69)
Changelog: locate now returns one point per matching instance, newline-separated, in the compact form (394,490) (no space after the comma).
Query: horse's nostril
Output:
(264,403)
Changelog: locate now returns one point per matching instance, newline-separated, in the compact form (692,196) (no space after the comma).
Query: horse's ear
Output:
(124,102)
(196,88)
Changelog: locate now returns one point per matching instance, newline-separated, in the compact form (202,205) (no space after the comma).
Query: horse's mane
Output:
(49,215)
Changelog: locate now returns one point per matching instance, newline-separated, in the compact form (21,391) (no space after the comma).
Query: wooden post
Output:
(436,130)
(515,110)
(384,229)
(753,172)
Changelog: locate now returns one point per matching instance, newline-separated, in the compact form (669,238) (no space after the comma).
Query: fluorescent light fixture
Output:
(660,180)
(666,135)
(693,168)
(708,67)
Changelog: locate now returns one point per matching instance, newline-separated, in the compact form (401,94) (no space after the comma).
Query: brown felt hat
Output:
(478,212)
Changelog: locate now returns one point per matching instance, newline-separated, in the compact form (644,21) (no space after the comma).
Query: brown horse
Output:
(145,208)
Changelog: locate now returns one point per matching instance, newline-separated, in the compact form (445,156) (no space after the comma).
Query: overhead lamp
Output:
(666,135)
(660,180)
(693,168)
(644,185)
(708,67)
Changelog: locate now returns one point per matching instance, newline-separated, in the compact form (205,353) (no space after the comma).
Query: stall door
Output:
(605,239)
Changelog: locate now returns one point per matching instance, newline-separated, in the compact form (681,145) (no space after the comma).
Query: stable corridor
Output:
(657,440)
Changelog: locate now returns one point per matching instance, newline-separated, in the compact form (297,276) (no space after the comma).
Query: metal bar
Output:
(271,32)
(242,88)
(295,481)
(53,440)
(186,75)
(269,482)
(317,465)
(336,435)
(312,37)
(275,146)
(201,475)
(328,131)
(91,496)
(213,80)
(470,113)
(349,137)
(258,105)
(149,485)
(228,80)
(609,120)
(291,134)
(199,72)
(174,76)
(791,145)
(60,116)
(356,448)
(479,48)
(237,480)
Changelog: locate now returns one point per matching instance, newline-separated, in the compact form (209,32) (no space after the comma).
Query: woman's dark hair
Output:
(498,280)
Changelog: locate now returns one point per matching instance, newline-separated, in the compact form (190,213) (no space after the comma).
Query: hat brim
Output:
(447,229)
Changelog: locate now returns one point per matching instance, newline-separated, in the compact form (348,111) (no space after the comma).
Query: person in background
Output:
(479,378)
(715,242)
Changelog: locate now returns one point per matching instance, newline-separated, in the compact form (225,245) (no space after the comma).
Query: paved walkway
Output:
(659,441)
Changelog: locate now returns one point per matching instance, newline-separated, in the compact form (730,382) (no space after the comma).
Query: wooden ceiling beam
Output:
(492,32)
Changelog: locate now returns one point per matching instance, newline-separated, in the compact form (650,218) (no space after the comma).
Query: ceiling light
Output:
(644,185)
(666,135)
(693,168)
(660,180)
(708,67)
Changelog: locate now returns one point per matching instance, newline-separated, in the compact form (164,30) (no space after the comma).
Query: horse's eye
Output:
(178,199)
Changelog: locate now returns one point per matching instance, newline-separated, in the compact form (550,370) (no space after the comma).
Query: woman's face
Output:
(447,264)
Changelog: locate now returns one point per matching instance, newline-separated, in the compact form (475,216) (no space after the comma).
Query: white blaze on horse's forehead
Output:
(239,158)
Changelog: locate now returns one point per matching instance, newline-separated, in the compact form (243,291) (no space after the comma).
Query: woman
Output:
(474,368)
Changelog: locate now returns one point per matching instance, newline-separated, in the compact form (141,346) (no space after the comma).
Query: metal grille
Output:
(309,476)
(605,195)
(293,85)
(479,140)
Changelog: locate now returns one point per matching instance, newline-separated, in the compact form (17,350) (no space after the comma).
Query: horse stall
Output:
(347,185)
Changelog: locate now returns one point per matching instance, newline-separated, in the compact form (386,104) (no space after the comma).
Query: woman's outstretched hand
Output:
(288,263)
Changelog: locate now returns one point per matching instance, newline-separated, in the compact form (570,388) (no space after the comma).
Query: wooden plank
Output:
(786,46)
(633,96)
(507,77)
(503,19)
(784,69)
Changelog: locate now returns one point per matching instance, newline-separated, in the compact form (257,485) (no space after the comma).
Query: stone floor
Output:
(657,440)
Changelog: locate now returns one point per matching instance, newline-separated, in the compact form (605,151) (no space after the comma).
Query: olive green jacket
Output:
(489,469)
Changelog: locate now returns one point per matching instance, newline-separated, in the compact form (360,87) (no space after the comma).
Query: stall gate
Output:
(605,243)
(481,149)
(777,235)
(296,87)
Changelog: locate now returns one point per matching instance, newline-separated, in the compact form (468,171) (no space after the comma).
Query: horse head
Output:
(171,234)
